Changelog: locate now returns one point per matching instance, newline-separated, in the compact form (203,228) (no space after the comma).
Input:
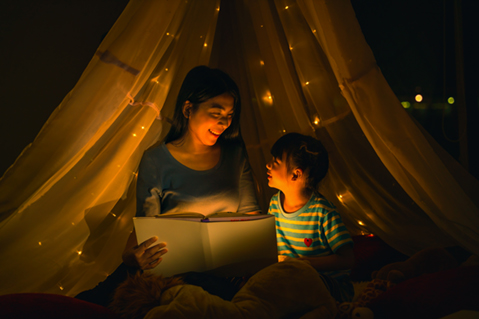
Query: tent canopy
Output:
(302,66)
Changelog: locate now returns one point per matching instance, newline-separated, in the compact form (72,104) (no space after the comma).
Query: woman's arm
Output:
(143,256)
(342,259)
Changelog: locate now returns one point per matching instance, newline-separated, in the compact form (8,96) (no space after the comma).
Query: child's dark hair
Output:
(306,153)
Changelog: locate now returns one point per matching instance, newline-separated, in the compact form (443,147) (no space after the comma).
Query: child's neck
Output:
(294,199)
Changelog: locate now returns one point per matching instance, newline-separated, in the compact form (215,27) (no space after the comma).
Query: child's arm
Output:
(342,259)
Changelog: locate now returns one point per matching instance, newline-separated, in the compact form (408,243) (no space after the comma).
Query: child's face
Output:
(278,175)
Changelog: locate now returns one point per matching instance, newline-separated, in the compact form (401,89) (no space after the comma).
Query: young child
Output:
(307,224)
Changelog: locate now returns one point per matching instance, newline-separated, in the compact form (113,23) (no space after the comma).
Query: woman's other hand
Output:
(143,256)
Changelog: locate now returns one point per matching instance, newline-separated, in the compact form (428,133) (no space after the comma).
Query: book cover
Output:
(230,244)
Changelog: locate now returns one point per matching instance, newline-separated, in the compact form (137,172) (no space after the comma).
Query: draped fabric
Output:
(66,205)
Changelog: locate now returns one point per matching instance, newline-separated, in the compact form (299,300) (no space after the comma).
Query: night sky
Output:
(46,44)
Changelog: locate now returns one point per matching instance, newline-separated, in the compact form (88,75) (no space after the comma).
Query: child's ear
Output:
(187,109)
(297,173)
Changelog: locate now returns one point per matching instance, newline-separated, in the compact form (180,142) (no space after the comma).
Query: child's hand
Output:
(282,258)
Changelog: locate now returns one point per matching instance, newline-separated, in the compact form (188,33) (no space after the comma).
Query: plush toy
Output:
(426,261)
(288,289)
(359,307)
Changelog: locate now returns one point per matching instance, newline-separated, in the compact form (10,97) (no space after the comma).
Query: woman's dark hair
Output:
(303,152)
(201,84)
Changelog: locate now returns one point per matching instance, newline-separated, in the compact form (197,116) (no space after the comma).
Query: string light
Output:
(261,26)
(167,33)
(287,7)
(166,69)
(205,45)
(418,98)
(261,62)
(134,134)
(79,252)
(142,127)
(307,83)
(39,243)
(290,47)
(218,9)
(61,288)
(316,120)
(360,223)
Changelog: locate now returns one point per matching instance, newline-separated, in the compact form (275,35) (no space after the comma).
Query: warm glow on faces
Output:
(277,172)
(210,120)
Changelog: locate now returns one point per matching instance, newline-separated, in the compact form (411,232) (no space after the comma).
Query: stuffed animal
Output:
(291,288)
(426,261)
(359,307)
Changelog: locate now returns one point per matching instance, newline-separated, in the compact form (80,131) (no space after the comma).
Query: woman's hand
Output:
(143,256)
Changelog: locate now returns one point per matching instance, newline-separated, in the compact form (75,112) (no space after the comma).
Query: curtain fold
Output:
(67,202)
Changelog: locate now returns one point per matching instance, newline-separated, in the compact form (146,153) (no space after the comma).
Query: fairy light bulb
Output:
(360,223)
(79,252)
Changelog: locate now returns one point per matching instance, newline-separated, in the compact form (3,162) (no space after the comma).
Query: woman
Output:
(201,166)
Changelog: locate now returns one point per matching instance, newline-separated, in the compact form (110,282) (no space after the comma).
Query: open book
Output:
(230,244)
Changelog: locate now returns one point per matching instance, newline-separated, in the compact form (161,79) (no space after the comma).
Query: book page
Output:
(247,243)
(226,216)
(183,240)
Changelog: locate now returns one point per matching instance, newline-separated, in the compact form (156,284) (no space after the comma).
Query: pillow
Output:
(371,253)
(50,306)
(431,295)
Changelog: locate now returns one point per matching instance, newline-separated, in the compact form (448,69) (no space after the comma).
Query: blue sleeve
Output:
(247,196)
(147,193)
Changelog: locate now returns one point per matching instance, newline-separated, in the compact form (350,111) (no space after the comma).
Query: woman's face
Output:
(210,120)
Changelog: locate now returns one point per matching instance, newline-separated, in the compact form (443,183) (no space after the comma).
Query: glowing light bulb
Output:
(205,45)
(307,83)
(79,252)
(167,33)
(418,98)
(166,69)
(360,223)
(450,100)
(261,62)
(314,31)
(114,215)
(134,134)
(406,104)
(316,120)
(39,243)
(261,26)
(218,9)
(61,288)
(290,47)
(142,127)
(287,7)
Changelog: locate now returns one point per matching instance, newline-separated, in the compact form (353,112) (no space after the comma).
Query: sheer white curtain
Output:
(67,202)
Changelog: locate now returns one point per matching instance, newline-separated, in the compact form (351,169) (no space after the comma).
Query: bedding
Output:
(427,296)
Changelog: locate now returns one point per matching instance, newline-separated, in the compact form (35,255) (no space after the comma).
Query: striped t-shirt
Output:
(314,230)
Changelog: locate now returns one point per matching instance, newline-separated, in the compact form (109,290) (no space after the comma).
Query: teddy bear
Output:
(292,288)
(358,308)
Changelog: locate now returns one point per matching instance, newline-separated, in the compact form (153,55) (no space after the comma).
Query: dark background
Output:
(45,45)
